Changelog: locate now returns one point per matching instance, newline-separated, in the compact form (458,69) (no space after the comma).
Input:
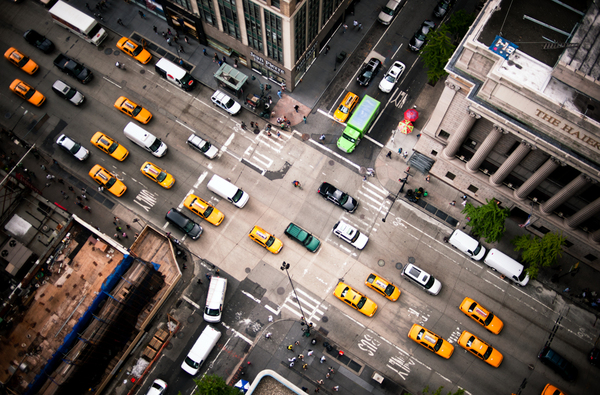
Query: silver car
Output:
(68,93)
(422,279)
(350,234)
(209,150)
(72,147)
(391,77)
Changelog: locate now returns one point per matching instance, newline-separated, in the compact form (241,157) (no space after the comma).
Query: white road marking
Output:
(251,297)
(112,82)
(200,179)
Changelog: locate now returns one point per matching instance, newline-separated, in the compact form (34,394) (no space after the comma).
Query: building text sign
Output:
(267,64)
(503,47)
(564,127)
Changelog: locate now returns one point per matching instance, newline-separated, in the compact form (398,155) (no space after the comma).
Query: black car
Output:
(442,8)
(181,221)
(417,42)
(38,41)
(338,197)
(369,71)
(556,362)
(594,357)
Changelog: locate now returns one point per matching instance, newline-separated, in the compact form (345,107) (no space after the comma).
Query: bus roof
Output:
(367,109)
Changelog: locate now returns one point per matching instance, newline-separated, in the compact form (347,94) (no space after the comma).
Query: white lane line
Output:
(190,301)
(331,117)
(373,141)
(352,319)
(238,334)
(357,167)
(251,297)
(112,82)
(200,179)
(491,283)
(272,310)
(445,378)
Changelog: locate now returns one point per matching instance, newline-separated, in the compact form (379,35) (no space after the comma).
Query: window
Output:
(434,153)
(207,12)
(253,25)
(313,19)
(443,134)
(184,4)
(300,32)
(472,188)
(229,18)
(274,42)
(329,7)
(275,3)
(450,176)
(590,257)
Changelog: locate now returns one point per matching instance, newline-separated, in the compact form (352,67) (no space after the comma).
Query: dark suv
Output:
(338,197)
(556,362)
(369,72)
(188,226)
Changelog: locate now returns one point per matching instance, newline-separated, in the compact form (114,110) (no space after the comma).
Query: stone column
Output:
(510,163)
(588,211)
(486,147)
(564,194)
(536,178)
(596,236)
(459,135)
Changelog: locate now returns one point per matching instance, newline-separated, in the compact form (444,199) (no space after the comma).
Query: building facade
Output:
(278,39)
(518,120)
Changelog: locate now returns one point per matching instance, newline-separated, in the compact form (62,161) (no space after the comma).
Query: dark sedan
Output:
(368,72)
(38,41)
(442,8)
(556,362)
(417,42)
(338,197)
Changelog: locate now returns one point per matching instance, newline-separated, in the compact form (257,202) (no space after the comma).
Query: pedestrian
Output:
(344,27)
(279,93)
(453,203)
(305,366)
(78,198)
(464,203)
(118,228)
(186,39)
(278,134)
(355,24)
(464,197)
(310,352)
(328,375)
(116,220)
(364,178)
(389,155)
(83,195)
(405,154)
(220,63)
(301,357)
(336,388)
(141,14)
(296,107)
(180,62)
(330,370)
(83,191)
(50,176)
(155,29)
(71,189)
(317,389)
(359,27)
(169,41)
(204,52)
(327,48)
(292,359)
(87,208)
(427,178)
(125,235)
(291,347)
(120,22)
(268,335)
(323,359)
(320,382)
(136,235)
(224,59)
(270,100)
(100,188)
(169,32)
(304,119)
(199,281)
(176,39)
(164,34)
(79,204)
(181,49)
(291,364)
(235,64)
(116,236)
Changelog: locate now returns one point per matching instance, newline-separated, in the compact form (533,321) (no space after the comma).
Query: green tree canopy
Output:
(459,391)
(214,385)
(459,24)
(487,221)
(539,252)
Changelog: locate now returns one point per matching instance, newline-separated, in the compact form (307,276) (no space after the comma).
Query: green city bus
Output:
(359,123)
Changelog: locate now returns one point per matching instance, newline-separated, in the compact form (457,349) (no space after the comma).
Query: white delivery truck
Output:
(78,23)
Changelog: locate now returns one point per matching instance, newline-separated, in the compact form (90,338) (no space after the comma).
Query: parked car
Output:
(225,102)
(67,92)
(134,50)
(417,42)
(556,362)
(350,235)
(334,195)
(37,40)
(303,237)
(369,72)
(422,279)
(72,147)
(185,224)
(27,92)
(383,287)
(480,349)
(158,387)
(481,315)
(391,77)
(431,341)
(209,150)
(442,8)
(355,299)
(21,60)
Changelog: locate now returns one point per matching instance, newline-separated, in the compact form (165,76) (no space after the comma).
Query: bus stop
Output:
(231,79)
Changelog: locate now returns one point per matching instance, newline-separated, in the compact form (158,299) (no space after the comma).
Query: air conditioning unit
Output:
(16,254)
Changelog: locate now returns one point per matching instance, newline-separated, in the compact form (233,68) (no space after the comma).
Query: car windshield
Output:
(238,195)
(188,226)
(205,147)
(388,11)
(228,103)
(522,276)
(350,139)
(212,312)
(138,50)
(111,181)
(23,61)
(430,282)
(113,147)
(208,211)
(420,37)
(343,109)
(270,241)
(29,94)
(489,319)
(307,240)
(477,250)
(356,236)
(389,290)
(75,148)
(161,177)
(343,198)
(438,344)
(69,92)
(155,145)
(136,110)
(487,354)
(390,78)
(361,302)
(192,363)
(367,74)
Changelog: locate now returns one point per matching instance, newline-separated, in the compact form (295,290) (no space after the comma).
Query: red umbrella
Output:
(405,127)
(411,114)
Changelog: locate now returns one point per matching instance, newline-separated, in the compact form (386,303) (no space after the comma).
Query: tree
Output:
(488,220)
(214,385)
(539,252)
(459,25)
(459,391)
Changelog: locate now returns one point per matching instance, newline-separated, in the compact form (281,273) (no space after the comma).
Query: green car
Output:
(303,237)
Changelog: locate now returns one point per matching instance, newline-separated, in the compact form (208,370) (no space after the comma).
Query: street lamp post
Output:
(404,180)
(284,267)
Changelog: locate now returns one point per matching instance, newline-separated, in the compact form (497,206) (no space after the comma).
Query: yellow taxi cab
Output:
(355,299)
(549,389)
(204,209)
(134,50)
(383,286)
(107,180)
(19,59)
(480,349)
(27,92)
(484,317)
(431,341)
(132,109)
(265,239)
(158,175)
(346,107)
(109,146)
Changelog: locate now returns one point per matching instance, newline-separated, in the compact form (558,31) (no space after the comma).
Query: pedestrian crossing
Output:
(313,308)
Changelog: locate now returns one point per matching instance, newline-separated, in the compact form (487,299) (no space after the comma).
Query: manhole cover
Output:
(411,259)
(143,71)
(539,290)
(191,319)
(169,346)
(247,270)
(331,163)
(108,51)
(362,216)
(381,262)
(324,318)
(280,291)
(399,266)
(305,137)
(179,334)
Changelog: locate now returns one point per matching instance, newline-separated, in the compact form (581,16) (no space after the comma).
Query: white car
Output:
(391,77)
(72,147)
(350,234)
(422,279)
(158,387)
(68,93)
(226,102)
(209,150)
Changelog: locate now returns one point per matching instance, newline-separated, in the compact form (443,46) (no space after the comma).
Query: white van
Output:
(215,299)
(145,139)
(507,266)
(227,190)
(199,352)
(175,74)
(389,12)
(465,243)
